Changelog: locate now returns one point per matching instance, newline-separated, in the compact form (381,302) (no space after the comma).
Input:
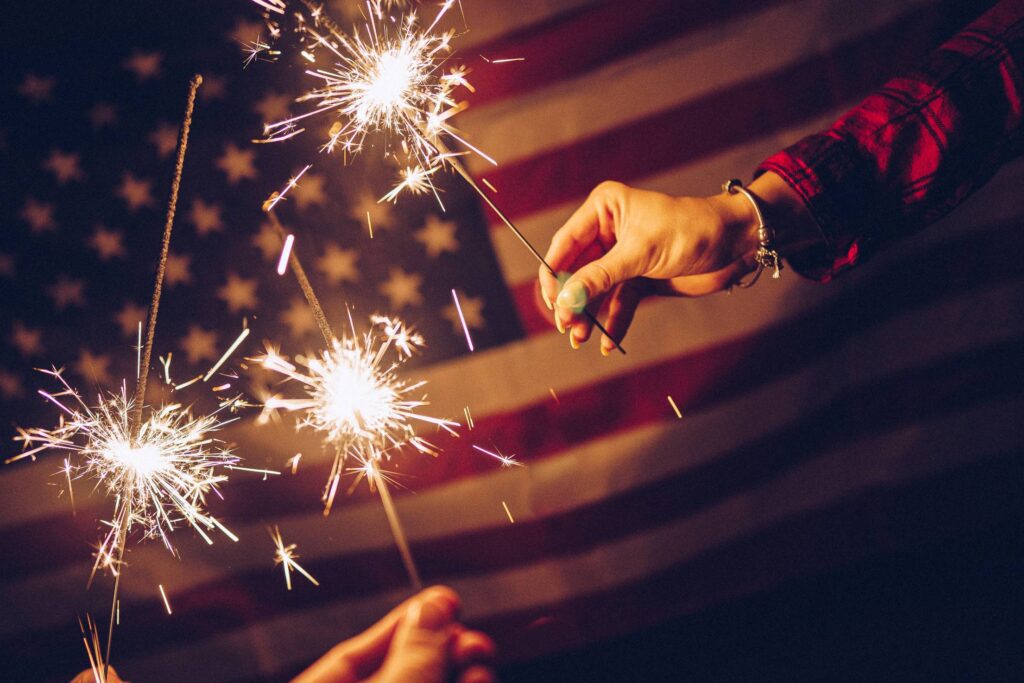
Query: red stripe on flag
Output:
(970,498)
(720,120)
(584,39)
(698,380)
(966,497)
(952,385)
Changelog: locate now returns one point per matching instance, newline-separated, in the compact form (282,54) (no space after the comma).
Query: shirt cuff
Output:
(827,175)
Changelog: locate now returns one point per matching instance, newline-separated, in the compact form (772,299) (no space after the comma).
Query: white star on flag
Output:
(472,310)
(137,193)
(107,243)
(298,318)
(380,212)
(402,289)
(199,344)
(237,164)
(38,215)
(338,265)
(245,32)
(238,293)
(164,138)
(214,88)
(94,368)
(437,236)
(67,292)
(10,385)
(64,167)
(178,269)
(308,191)
(28,341)
(37,89)
(272,107)
(102,114)
(206,217)
(129,317)
(267,241)
(145,65)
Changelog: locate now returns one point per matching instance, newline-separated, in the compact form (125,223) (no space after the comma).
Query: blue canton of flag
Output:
(88,147)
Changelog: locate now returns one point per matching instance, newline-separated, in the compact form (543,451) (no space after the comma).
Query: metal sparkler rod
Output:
(304,284)
(397,531)
(154,305)
(122,539)
(325,328)
(147,353)
(461,170)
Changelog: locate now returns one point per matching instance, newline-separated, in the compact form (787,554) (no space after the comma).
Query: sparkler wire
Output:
(172,204)
(461,170)
(325,328)
(147,353)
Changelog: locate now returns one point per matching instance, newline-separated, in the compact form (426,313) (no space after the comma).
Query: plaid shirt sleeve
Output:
(914,149)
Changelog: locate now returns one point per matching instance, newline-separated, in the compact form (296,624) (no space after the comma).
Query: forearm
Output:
(911,151)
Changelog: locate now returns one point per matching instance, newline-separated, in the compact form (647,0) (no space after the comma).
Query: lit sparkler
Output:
(354,396)
(158,474)
(389,77)
(159,466)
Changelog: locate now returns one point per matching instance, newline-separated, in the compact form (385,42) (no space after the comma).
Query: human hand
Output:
(88,676)
(624,244)
(417,642)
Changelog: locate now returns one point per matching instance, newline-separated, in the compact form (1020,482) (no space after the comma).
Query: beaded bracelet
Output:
(766,256)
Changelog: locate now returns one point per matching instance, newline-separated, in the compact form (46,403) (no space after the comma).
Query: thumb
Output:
(596,278)
(419,651)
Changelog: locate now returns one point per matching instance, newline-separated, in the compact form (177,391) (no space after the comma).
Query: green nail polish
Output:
(573,296)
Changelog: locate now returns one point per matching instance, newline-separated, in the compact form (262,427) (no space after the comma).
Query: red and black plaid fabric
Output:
(915,148)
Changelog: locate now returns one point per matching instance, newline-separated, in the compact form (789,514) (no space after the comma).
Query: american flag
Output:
(819,424)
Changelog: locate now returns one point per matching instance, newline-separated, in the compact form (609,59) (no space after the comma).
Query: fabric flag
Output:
(816,424)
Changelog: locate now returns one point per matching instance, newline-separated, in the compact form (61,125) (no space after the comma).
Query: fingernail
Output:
(604,349)
(573,296)
(572,341)
(431,613)
(547,301)
(559,325)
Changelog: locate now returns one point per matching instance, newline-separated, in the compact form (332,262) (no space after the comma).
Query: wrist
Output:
(739,223)
(794,227)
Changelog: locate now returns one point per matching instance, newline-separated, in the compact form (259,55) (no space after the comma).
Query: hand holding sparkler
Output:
(390,79)
(419,641)
(625,244)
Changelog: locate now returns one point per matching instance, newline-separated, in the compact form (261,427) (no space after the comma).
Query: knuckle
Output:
(607,188)
(601,278)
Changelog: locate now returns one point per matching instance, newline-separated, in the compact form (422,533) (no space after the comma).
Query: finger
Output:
(472,647)
(593,280)
(361,655)
(549,286)
(621,309)
(709,283)
(568,244)
(583,325)
(88,676)
(477,674)
(419,650)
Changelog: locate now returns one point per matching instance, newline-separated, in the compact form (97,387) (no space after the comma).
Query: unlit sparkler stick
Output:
(147,352)
(172,205)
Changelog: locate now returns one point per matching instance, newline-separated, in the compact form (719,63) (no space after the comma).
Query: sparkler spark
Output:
(505,460)
(285,555)
(389,77)
(158,475)
(353,395)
